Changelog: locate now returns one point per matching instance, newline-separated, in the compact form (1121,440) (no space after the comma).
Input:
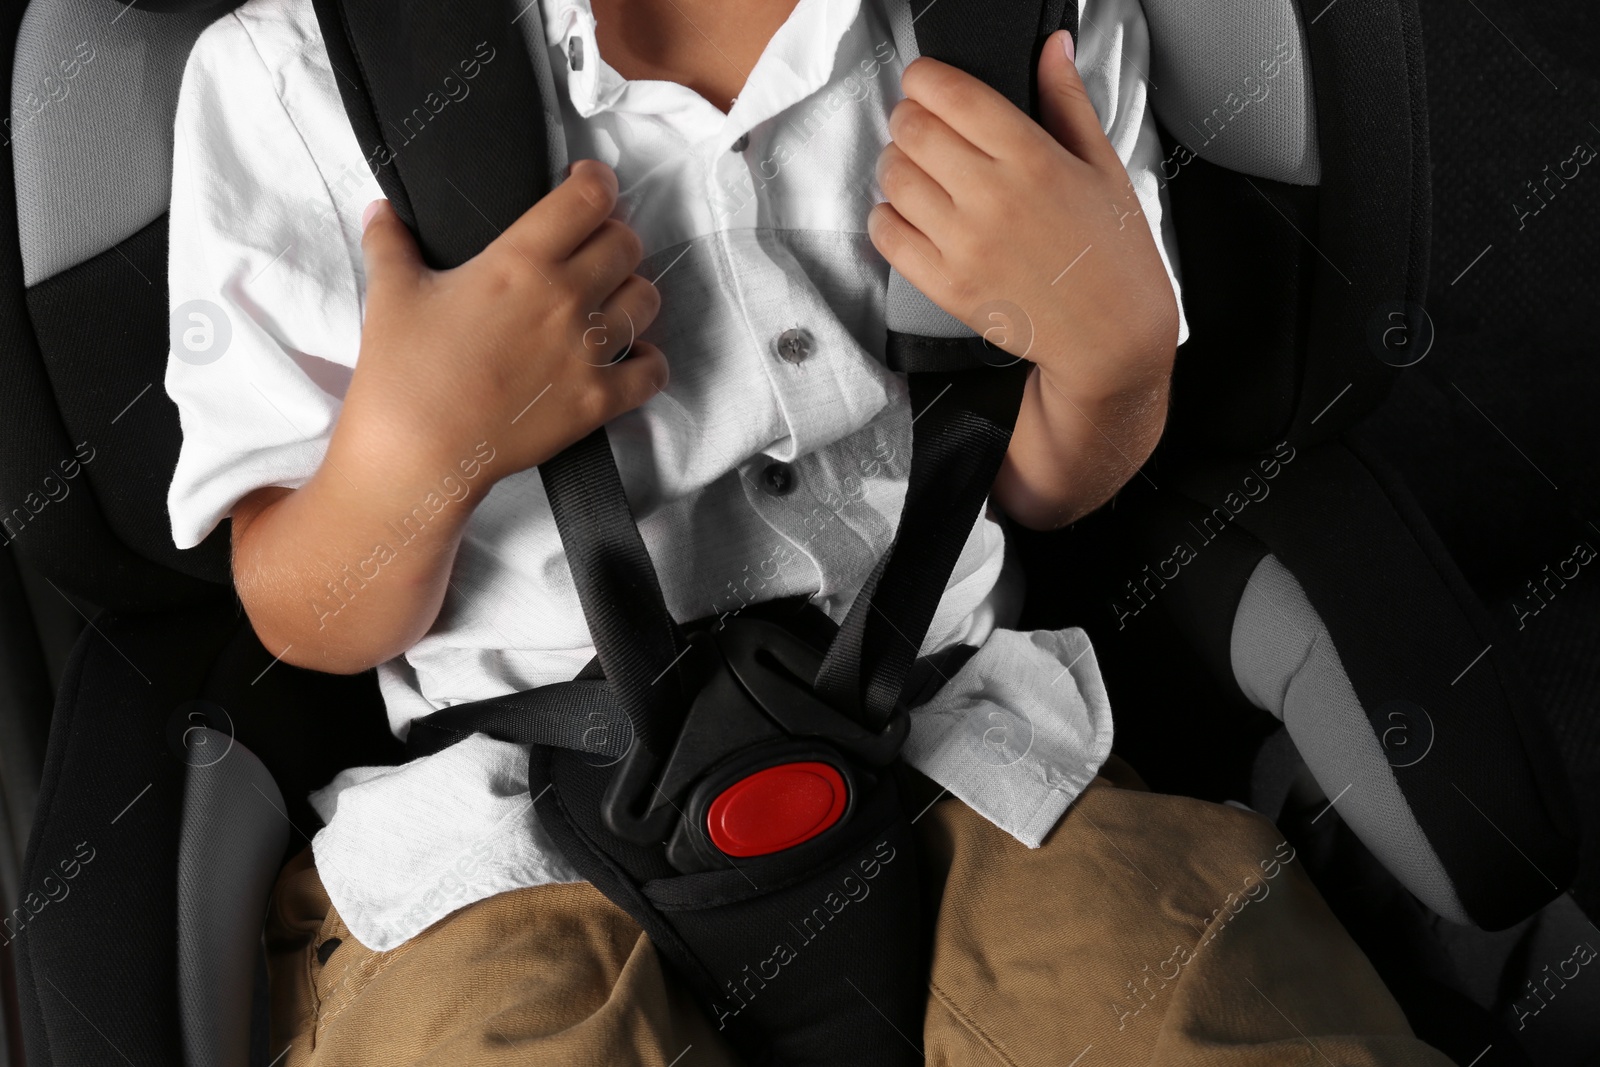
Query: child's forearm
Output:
(350,569)
(1069,455)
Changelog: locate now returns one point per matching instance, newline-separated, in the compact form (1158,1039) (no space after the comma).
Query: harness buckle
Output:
(760,763)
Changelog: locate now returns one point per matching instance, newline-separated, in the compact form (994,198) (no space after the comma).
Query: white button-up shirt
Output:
(774,462)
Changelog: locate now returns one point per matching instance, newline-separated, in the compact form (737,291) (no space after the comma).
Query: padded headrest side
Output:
(1230,82)
(94,90)
(94,94)
(233,836)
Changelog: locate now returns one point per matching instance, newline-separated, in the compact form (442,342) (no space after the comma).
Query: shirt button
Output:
(741,144)
(793,345)
(778,479)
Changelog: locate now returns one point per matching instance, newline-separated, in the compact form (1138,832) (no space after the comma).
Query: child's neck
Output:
(708,45)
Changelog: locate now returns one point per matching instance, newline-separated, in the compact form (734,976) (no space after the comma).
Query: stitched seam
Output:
(971,1025)
(383,961)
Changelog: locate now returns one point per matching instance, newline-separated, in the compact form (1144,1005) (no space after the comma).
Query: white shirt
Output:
(268,187)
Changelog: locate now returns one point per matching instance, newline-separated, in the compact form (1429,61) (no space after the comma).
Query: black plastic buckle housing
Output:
(754,707)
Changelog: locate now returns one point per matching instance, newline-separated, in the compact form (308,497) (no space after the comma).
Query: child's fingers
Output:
(563,220)
(387,247)
(606,258)
(1065,110)
(906,248)
(634,304)
(628,383)
(919,199)
(949,158)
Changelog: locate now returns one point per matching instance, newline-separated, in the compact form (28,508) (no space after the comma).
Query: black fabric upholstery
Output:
(111,552)
(1495,428)
(98,970)
(1247,291)
(103,338)
(1371,242)
(1491,793)
(305,726)
(1202,596)
(1282,282)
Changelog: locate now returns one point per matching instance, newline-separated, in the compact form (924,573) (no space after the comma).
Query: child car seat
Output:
(177,756)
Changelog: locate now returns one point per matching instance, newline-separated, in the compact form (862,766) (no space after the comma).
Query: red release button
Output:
(776,808)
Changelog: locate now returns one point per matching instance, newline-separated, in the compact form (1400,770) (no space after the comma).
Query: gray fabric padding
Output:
(906,308)
(1285,663)
(92,140)
(230,844)
(1209,89)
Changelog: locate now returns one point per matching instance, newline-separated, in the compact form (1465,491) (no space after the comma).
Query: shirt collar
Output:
(797,62)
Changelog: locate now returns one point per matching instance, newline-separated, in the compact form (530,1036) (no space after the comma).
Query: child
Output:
(374,430)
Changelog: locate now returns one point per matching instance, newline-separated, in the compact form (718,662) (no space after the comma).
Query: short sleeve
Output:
(1113,58)
(263,289)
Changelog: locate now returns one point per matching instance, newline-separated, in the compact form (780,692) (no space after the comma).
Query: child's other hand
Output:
(987,205)
(513,347)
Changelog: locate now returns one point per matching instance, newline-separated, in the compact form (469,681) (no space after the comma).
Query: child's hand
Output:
(985,205)
(1033,237)
(513,347)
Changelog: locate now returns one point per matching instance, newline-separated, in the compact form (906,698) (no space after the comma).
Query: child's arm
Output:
(988,208)
(464,377)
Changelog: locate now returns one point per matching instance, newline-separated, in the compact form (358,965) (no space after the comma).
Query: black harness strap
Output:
(474,165)
(464,169)
(635,638)
(962,425)
(468,170)
(964,398)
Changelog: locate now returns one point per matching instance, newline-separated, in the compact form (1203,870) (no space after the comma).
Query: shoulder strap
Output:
(460,167)
(964,397)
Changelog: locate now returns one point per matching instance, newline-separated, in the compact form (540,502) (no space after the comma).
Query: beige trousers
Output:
(1148,929)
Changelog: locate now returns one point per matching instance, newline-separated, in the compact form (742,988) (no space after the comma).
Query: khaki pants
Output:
(1148,929)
